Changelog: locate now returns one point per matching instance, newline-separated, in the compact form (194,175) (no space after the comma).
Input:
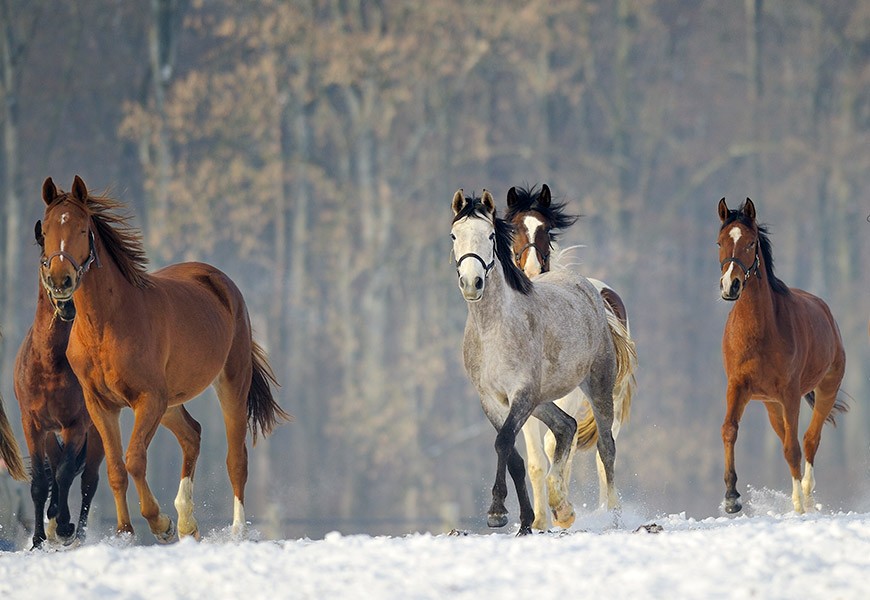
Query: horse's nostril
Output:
(478,283)
(67,282)
(735,287)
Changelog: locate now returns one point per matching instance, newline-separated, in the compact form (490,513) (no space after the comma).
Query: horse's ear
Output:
(545,197)
(49,191)
(79,190)
(512,197)
(749,209)
(37,232)
(723,210)
(458,201)
(488,202)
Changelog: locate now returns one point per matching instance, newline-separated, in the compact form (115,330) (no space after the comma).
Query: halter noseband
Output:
(753,268)
(79,269)
(486,267)
(519,255)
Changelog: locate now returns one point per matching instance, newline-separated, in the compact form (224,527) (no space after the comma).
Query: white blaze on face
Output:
(533,265)
(725,282)
(62,249)
(64,218)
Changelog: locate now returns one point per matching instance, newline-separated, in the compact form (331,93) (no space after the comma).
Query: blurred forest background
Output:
(310,149)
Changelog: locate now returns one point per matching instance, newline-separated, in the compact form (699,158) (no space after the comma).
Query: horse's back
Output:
(187,283)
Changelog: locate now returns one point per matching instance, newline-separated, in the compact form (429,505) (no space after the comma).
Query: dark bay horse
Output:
(526,345)
(60,435)
(779,344)
(150,342)
(537,222)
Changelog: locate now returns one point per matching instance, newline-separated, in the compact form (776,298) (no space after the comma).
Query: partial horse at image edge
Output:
(9,450)
(779,344)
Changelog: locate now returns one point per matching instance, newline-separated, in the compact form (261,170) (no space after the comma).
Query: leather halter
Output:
(753,268)
(80,269)
(486,267)
(519,255)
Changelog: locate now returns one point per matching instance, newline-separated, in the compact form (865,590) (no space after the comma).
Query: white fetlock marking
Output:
(184,505)
(809,484)
(603,495)
(797,496)
(239,524)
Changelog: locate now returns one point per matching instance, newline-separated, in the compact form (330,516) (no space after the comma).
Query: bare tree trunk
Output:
(11,54)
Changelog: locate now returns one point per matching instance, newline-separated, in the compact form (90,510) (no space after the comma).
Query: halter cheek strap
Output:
(753,268)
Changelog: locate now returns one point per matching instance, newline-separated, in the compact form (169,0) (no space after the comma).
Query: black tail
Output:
(263,412)
(840,406)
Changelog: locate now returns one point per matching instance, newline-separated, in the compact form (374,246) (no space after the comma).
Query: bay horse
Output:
(525,345)
(61,437)
(150,342)
(779,344)
(537,222)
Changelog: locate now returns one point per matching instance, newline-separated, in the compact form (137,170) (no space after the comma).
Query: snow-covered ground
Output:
(762,555)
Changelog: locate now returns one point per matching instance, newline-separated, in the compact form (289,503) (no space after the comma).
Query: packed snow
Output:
(765,554)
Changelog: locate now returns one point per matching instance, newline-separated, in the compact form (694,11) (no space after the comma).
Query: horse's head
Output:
(473,235)
(536,221)
(738,248)
(67,240)
(531,231)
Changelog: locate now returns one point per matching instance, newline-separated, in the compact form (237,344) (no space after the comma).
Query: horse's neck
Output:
(491,309)
(47,327)
(104,295)
(755,307)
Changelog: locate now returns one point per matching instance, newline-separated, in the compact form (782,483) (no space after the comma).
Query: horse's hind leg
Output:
(90,478)
(563,427)
(188,433)
(537,462)
(825,399)
(39,482)
(232,386)
(599,390)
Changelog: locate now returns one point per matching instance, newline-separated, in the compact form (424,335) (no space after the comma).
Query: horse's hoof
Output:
(732,505)
(524,530)
(496,520)
(564,517)
(65,534)
(168,536)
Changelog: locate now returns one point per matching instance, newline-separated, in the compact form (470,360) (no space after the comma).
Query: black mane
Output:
(527,200)
(737,216)
(504,237)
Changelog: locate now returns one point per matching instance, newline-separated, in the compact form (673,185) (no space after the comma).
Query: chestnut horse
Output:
(152,341)
(9,451)
(537,222)
(60,435)
(779,344)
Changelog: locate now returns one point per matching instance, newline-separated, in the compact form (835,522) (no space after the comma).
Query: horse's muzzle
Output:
(472,287)
(732,293)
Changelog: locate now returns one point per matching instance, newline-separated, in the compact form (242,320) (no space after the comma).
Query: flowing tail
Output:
(840,406)
(9,451)
(263,412)
(623,387)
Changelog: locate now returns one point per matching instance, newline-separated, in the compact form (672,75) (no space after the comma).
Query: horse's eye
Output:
(492,236)
(452,237)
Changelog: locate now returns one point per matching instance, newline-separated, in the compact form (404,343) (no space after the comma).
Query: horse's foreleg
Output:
(737,398)
(38,479)
(148,412)
(106,420)
(187,430)
(537,462)
(72,455)
(90,478)
(508,458)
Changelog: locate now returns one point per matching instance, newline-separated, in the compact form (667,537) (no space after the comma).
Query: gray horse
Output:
(527,345)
